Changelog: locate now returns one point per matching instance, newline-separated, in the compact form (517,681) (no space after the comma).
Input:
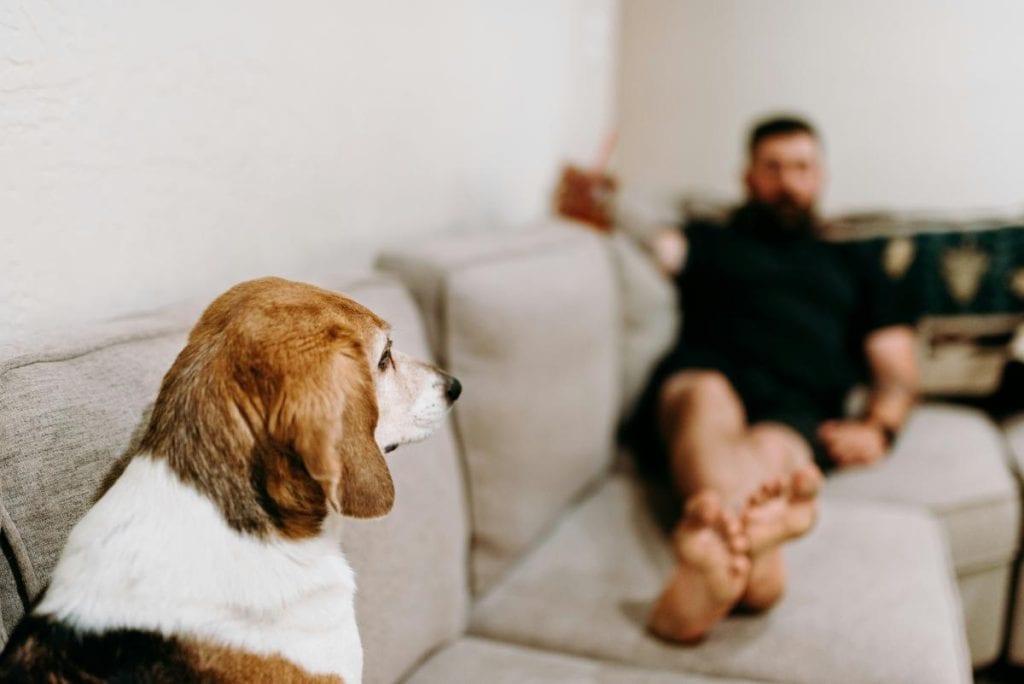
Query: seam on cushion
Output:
(443,311)
(27,360)
(975,504)
(501,253)
(982,566)
(25,567)
(937,509)
(486,642)
(562,241)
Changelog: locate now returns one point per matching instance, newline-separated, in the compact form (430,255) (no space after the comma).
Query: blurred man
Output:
(748,408)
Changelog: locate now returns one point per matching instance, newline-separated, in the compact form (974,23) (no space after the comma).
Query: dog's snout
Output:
(453,389)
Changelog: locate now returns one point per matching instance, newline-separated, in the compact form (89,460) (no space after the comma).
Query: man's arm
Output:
(892,361)
(586,196)
(669,247)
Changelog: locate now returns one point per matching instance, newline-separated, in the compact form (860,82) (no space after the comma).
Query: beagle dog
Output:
(215,556)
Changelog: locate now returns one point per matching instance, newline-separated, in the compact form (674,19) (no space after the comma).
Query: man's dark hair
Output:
(778,125)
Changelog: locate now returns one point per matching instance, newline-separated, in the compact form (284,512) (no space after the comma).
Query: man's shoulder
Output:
(705,228)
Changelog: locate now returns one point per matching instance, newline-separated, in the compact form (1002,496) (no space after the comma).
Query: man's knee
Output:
(780,442)
(697,386)
(766,587)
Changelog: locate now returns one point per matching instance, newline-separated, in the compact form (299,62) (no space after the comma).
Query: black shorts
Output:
(765,398)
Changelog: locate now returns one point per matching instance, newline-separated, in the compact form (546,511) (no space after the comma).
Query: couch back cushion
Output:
(528,321)
(71,405)
(650,314)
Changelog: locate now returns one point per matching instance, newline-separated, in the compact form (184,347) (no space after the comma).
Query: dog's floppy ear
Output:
(333,420)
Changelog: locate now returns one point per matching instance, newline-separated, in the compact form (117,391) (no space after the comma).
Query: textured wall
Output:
(921,102)
(152,151)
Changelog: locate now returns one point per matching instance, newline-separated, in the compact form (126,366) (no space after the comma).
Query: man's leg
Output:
(779,449)
(725,469)
(783,508)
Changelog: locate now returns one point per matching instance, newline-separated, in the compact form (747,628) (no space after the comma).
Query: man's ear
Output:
(332,420)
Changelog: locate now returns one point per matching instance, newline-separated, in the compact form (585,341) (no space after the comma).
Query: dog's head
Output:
(284,399)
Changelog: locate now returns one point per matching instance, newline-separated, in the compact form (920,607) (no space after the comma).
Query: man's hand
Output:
(586,196)
(853,442)
(669,248)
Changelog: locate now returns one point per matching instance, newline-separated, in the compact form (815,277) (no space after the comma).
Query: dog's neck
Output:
(156,554)
(261,488)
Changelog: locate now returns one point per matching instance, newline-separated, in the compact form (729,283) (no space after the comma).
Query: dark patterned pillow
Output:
(963,279)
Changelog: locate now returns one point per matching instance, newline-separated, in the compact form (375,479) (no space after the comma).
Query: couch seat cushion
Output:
(870,598)
(951,460)
(479,660)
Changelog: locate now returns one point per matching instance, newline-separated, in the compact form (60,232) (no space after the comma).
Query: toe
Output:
(703,508)
(806,482)
(738,543)
(739,565)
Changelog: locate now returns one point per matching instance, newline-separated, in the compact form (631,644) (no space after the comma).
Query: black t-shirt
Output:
(796,308)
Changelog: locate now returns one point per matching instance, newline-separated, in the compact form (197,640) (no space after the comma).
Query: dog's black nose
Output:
(453,390)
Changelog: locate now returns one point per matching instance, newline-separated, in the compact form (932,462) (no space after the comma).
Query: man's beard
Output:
(783,219)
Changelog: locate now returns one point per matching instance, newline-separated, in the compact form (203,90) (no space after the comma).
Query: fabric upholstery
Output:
(531,331)
(650,315)
(952,461)
(1015,646)
(70,407)
(470,661)
(870,598)
(986,596)
(1014,430)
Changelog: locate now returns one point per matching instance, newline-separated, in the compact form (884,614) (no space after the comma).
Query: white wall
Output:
(153,151)
(921,102)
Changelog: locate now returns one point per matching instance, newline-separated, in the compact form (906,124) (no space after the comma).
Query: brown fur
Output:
(224,664)
(270,409)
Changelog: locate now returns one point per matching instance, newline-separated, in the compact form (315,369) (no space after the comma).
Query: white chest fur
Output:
(155,554)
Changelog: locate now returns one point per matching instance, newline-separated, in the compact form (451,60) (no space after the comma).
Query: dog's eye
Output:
(385,360)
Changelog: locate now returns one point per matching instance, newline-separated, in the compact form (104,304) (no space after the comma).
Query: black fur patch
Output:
(42,649)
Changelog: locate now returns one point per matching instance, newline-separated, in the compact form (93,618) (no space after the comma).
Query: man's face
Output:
(785,175)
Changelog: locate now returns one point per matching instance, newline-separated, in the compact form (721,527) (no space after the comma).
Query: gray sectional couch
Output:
(521,547)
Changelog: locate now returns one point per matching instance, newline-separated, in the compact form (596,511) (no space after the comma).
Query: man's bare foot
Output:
(782,508)
(711,574)
(803,500)
(767,581)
